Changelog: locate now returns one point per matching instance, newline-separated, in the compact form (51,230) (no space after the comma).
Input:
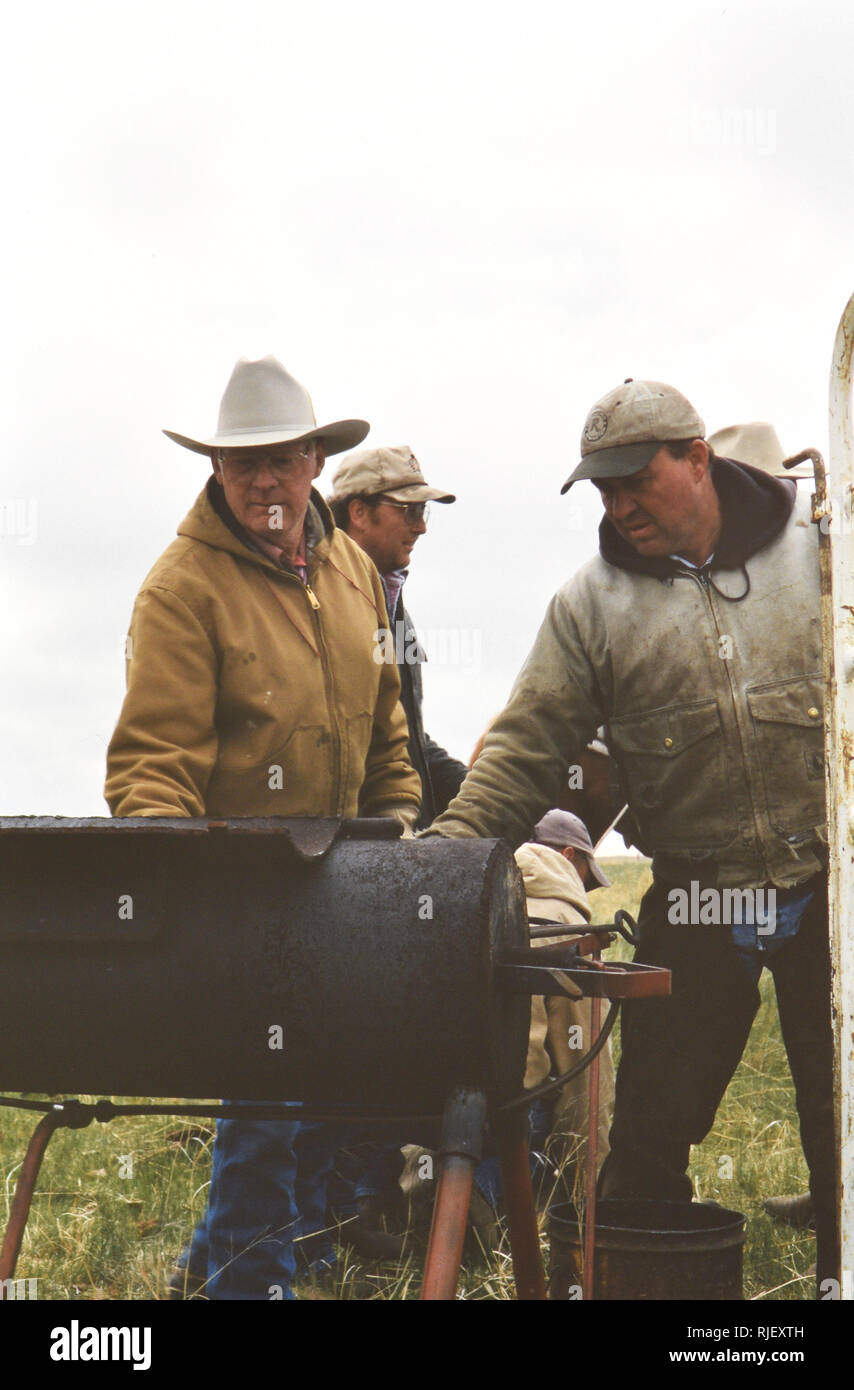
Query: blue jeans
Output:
(757,943)
(487,1174)
(268,1191)
(372,1166)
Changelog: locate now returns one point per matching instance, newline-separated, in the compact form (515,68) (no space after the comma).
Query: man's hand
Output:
(406,814)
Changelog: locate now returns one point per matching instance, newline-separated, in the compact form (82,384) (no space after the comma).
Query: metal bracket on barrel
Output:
(577,978)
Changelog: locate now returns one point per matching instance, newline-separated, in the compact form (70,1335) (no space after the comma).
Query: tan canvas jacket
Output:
(554,889)
(249,694)
(713,708)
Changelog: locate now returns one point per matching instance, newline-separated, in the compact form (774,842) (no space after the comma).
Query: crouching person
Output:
(558,869)
(252,691)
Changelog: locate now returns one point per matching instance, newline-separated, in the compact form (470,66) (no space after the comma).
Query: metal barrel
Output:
(180,958)
(650,1250)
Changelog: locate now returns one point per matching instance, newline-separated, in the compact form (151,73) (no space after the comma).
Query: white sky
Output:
(463,223)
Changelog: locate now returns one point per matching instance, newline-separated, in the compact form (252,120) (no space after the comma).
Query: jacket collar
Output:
(755,507)
(212,521)
(546,874)
(393,589)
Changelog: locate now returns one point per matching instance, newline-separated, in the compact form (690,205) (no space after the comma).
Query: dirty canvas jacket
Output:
(709,684)
(250,694)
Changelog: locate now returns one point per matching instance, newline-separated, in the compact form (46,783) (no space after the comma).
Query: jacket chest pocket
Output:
(674,772)
(789,731)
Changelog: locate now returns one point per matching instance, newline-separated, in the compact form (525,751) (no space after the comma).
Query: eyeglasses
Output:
(413,511)
(243,464)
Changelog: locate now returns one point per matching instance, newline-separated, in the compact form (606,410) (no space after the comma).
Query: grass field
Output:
(115,1202)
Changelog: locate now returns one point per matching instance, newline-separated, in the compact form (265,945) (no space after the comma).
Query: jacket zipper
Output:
(327,677)
(314,603)
(703,580)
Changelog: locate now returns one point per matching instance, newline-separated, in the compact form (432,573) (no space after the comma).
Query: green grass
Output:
(93,1234)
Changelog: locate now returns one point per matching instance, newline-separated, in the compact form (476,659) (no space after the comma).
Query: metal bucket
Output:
(650,1250)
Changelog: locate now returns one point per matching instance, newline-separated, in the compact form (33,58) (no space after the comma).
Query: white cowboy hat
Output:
(756,443)
(263,404)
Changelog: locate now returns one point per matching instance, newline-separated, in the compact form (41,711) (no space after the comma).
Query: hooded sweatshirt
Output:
(560,1027)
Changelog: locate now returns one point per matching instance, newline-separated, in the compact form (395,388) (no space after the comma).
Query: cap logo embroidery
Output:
(597,424)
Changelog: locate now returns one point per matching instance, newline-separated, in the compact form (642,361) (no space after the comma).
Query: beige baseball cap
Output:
(756,443)
(627,427)
(394,472)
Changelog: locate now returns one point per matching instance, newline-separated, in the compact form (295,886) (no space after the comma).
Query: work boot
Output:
(366,1235)
(795,1211)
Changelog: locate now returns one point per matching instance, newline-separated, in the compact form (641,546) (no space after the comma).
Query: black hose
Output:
(555,1083)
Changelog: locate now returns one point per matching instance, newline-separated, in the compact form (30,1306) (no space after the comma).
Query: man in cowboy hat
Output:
(252,691)
(380,498)
(694,638)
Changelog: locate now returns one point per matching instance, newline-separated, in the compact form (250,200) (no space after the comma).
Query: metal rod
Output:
(838,637)
(24,1189)
(460,1148)
(511,1133)
(624,924)
(106,1110)
(614,823)
(592,1152)
(537,933)
(448,1228)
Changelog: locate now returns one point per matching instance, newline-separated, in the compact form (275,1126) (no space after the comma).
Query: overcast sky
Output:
(463,222)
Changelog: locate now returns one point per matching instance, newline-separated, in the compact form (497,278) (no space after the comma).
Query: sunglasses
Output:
(413,511)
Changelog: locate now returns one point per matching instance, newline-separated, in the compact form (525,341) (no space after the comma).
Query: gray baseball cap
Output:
(561,828)
(627,427)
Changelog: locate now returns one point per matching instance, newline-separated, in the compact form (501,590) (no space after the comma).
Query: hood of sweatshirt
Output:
(547,874)
(754,509)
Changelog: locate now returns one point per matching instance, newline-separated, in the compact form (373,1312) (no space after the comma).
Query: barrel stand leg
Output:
(459,1152)
(24,1194)
(592,1167)
(511,1134)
